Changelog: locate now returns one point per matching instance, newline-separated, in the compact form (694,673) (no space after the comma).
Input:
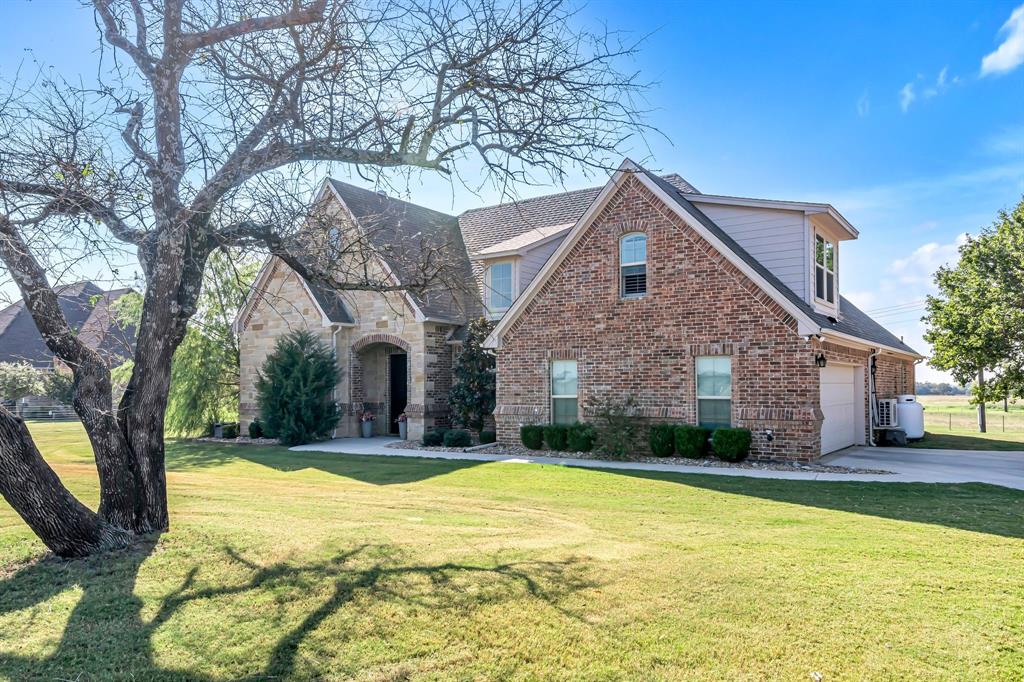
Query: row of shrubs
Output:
(576,437)
(665,440)
(455,438)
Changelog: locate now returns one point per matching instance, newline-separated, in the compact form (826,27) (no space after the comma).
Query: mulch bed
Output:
(768,465)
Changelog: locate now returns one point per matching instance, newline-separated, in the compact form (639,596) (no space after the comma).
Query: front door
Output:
(398,366)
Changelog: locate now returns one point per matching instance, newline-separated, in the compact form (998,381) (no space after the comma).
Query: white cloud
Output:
(1007,142)
(919,267)
(942,83)
(907,97)
(977,186)
(1010,53)
(864,105)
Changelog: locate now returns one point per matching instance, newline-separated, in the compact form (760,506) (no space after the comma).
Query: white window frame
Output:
(493,312)
(825,270)
(554,396)
(623,265)
(696,385)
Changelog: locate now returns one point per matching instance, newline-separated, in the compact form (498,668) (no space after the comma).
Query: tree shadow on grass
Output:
(966,506)
(373,469)
(106,636)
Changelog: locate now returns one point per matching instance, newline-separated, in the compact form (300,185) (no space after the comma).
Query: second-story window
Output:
(824,269)
(498,285)
(633,265)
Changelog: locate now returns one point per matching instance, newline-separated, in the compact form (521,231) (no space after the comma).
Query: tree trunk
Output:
(981,406)
(32,488)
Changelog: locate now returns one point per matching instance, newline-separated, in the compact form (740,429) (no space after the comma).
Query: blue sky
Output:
(908,117)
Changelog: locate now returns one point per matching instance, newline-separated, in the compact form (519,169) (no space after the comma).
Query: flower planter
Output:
(366,429)
(403,430)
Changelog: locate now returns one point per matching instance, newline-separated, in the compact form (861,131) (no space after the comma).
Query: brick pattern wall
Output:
(438,361)
(697,303)
(283,306)
(384,324)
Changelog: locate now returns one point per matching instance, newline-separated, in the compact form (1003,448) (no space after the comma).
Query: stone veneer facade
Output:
(384,325)
(697,303)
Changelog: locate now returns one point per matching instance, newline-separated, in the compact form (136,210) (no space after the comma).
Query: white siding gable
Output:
(777,238)
(533,260)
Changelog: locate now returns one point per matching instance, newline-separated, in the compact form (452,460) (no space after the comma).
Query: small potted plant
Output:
(403,426)
(366,424)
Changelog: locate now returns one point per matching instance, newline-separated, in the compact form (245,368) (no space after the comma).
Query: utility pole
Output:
(981,405)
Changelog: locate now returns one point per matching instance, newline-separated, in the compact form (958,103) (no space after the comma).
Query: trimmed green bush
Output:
(488,437)
(580,437)
(556,436)
(457,438)
(692,441)
(434,438)
(662,439)
(255,429)
(230,431)
(532,436)
(731,445)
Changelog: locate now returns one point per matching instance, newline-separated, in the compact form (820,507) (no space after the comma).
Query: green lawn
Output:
(937,437)
(281,565)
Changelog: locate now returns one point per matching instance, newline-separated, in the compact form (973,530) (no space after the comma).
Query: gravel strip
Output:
(520,451)
(241,440)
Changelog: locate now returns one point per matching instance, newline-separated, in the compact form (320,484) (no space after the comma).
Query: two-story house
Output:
(707,309)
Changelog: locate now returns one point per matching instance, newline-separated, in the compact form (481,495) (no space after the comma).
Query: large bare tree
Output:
(209,122)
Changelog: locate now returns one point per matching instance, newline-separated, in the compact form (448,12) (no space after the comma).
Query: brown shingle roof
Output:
(86,308)
(484,227)
(403,234)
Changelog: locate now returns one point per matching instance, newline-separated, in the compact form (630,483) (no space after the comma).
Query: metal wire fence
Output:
(997,421)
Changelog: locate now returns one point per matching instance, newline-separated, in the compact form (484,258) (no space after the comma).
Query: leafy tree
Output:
(294,389)
(204,371)
(19,380)
(939,388)
(60,386)
(472,395)
(976,322)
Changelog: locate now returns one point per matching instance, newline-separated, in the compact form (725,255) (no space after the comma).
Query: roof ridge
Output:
(779,201)
(518,202)
(388,197)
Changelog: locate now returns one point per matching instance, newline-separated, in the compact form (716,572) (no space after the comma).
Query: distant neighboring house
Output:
(87,310)
(709,309)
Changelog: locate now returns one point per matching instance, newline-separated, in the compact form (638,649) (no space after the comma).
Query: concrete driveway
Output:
(908,465)
(937,466)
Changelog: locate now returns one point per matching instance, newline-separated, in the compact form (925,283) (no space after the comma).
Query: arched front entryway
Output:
(381,375)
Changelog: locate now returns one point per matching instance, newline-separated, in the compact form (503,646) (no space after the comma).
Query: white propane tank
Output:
(911,416)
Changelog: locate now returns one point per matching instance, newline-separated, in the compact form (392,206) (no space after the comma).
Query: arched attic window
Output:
(633,265)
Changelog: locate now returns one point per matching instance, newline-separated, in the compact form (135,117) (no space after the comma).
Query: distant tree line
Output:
(940,388)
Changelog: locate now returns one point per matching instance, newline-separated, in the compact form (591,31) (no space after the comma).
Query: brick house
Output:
(708,309)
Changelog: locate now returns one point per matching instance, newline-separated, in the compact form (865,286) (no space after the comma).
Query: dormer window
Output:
(499,288)
(633,265)
(824,270)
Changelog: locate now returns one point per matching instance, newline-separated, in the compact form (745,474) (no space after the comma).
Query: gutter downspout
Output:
(334,391)
(872,404)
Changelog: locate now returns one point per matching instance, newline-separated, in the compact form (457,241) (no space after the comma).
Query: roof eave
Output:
(868,344)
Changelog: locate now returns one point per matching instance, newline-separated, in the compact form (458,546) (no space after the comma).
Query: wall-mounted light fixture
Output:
(820,360)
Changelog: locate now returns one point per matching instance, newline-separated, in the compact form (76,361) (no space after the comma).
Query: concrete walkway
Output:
(908,465)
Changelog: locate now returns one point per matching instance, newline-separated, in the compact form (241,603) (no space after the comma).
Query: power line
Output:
(911,304)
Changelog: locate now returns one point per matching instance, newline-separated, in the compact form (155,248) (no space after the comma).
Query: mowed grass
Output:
(951,422)
(317,566)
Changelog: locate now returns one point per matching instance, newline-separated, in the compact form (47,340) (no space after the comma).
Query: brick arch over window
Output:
(371,339)
(627,226)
